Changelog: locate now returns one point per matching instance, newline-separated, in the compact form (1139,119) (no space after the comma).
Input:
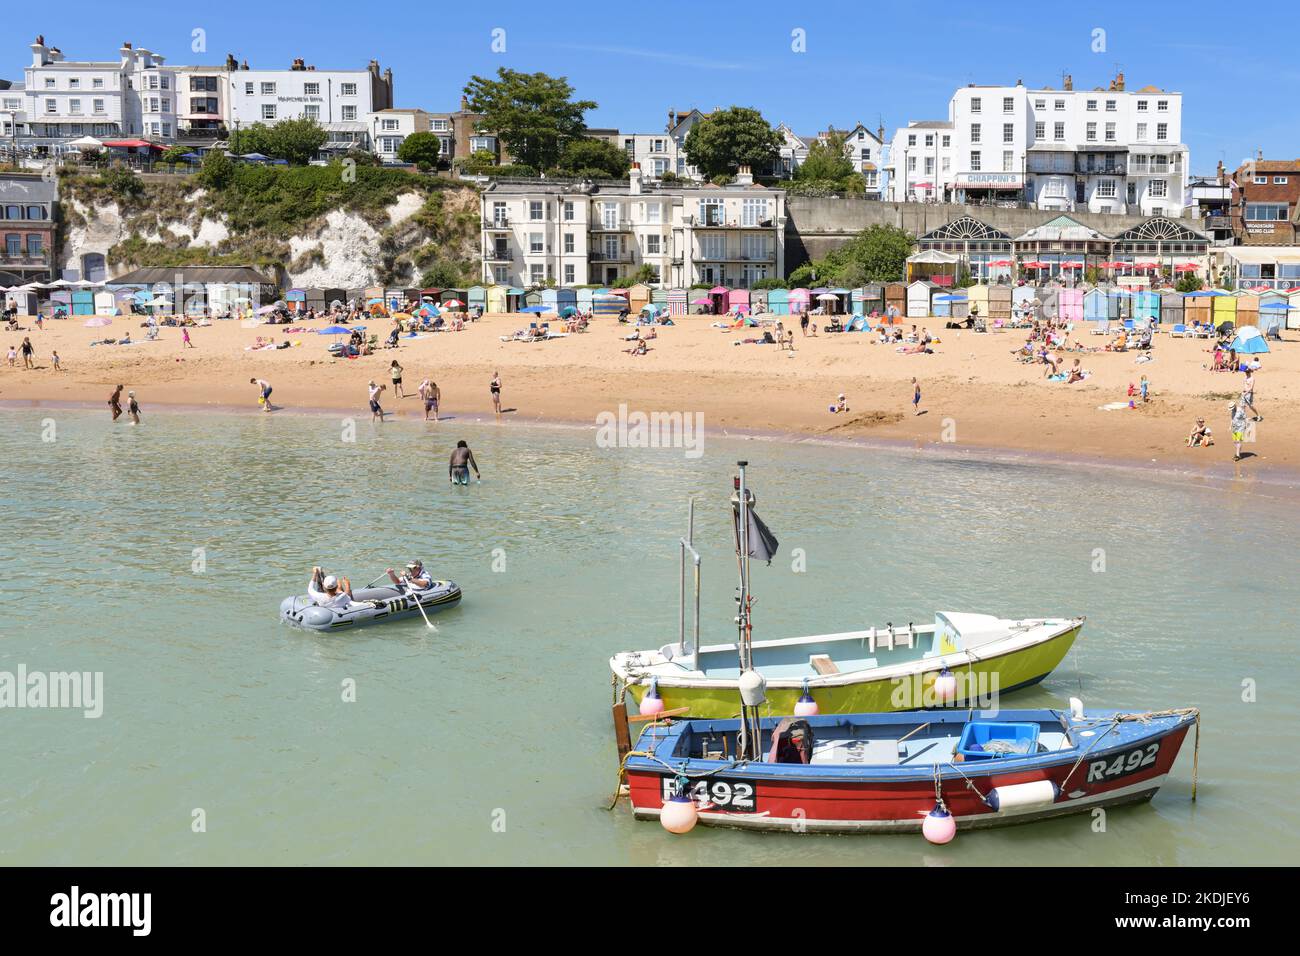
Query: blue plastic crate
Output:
(1021,739)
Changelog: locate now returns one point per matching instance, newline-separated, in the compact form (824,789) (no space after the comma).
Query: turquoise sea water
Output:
(489,740)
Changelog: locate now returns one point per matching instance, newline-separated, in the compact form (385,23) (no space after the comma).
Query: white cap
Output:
(330,581)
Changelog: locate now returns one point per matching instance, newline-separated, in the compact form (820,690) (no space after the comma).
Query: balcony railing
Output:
(610,257)
(622,225)
(499,255)
(23,258)
(720,222)
(1137,168)
(1100,169)
(498,223)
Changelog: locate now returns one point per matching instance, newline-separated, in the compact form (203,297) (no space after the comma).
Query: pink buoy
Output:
(945,686)
(806,706)
(651,704)
(938,826)
(679,814)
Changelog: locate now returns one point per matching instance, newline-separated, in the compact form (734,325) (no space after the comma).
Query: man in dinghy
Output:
(326,590)
(415,578)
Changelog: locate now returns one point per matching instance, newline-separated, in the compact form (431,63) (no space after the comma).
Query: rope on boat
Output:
(1144,718)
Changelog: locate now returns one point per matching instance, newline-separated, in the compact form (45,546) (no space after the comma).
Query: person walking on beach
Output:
(916,397)
(496,393)
(431,394)
(185,338)
(264,389)
(1248,395)
(462,460)
(115,403)
(58,365)
(376,412)
(132,408)
(1237,418)
(395,371)
(13,357)
(803,322)
(28,352)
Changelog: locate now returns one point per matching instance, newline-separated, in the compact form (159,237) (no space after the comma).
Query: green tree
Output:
(421,149)
(534,114)
(726,140)
(590,158)
(173,154)
(217,170)
(876,254)
(441,275)
(297,140)
(122,183)
(254,138)
(1188,282)
(826,161)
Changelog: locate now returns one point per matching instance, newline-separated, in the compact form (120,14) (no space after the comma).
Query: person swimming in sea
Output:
(462,460)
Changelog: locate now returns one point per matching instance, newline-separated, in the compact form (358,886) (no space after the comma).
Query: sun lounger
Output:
(1178,331)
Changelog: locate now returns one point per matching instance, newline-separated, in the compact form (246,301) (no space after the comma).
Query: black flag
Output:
(762,543)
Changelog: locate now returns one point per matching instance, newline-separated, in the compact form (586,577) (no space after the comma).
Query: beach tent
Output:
(918,299)
(566,298)
(551,300)
(758,301)
(1224,309)
(738,300)
(584,300)
(1146,305)
(606,303)
(1070,305)
(1249,341)
(637,296)
(1000,302)
(476,297)
(896,296)
(1095,306)
(873,299)
(496,298)
(1171,308)
(778,301)
(1247,310)
(677,302)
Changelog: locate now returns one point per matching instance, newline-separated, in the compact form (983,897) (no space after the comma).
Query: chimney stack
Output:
(1219,173)
(464,103)
(672,120)
(128,55)
(38,52)
(744,176)
(634,180)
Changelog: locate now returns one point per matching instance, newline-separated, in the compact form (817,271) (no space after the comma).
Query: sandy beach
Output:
(974,392)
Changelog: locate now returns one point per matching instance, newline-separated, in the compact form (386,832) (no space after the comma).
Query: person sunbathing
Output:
(1120,344)
(1200,436)
(639,349)
(1075,374)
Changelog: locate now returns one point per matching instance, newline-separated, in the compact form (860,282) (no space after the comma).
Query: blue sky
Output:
(863,62)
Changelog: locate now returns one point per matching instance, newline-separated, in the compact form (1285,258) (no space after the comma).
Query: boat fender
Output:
(1019,796)
(679,814)
(806,706)
(938,826)
(945,687)
(753,688)
(652,703)
(1076,708)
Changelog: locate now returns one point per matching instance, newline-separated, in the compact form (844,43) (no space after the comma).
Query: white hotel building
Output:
(534,232)
(1102,150)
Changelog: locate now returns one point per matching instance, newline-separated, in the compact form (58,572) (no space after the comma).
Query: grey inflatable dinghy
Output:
(370,606)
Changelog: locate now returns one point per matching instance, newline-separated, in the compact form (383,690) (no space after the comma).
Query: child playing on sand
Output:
(58,365)
(1237,420)
(264,390)
(916,397)
(13,357)
(841,405)
(1144,388)
(376,412)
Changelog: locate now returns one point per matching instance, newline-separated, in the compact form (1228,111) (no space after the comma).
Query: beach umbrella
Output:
(400,315)
(1071,265)
(701,302)
(827,297)
(98,322)
(339,330)
(1186,267)
(536,309)
(264,310)
(453,303)
(1249,341)
(718,290)
(950,298)
(567,311)
(1001,262)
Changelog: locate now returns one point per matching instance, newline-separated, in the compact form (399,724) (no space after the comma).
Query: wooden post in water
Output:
(622,735)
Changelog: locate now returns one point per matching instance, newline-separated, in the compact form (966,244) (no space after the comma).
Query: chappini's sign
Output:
(989,181)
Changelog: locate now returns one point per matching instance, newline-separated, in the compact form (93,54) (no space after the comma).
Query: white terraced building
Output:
(1101,150)
(535,232)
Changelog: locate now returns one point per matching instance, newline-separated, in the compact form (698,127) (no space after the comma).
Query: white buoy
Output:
(679,814)
(753,688)
(651,704)
(806,706)
(945,686)
(1076,708)
(938,826)
(1019,796)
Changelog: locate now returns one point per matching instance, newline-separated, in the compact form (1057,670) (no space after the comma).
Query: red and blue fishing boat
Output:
(934,771)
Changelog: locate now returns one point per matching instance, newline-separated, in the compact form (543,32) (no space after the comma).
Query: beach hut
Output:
(1247,310)
(496,298)
(738,301)
(638,296)
(105,303)
(83,302)
(896,297)
(59,304)
(1171,309)
(1197,309)
(977,298)
(296,300)
(1224,309)
(1022,299)
(448,294)
(778,301)
(918,299)
(1272,316)
(757,301)
(1049,302)
(717,296)
(677,302)
(1119,304)
(843,300)
(873,299)
(607,304)
(566,299)
(941,300)
(1070,305)
(551,300)
(1095,306)
(532,297)
(1146,305)
(659,297)
(1293,312)
(858,299)
(1000,303)
(584,299)
(476,297)
(798,300)
(1271,299)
